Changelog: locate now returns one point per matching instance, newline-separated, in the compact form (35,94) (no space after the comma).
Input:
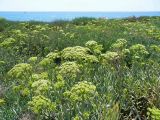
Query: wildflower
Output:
(124,54)
(94,46)
(43,75)
(138,51)
(78,53)
(155,48)
(21,70)
(91,43)
(19,34)
(59,84)
(109,57)
(91,59)
(74,53)
(41,105)
(2,102)
(38,27)
(69,70)
(155,113)
(16,31)
(86,115)
(45,37)
(50,59)
(25,92)
(35,31)
(41,86)
(32,59)
(76,118)
(83,91)
(8,42)
(119,45)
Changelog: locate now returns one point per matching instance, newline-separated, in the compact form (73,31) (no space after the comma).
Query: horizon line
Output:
(78,11)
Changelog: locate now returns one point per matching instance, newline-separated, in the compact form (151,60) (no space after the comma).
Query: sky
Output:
(80,5)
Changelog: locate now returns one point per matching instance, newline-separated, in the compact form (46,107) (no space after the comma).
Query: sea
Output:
(54,16)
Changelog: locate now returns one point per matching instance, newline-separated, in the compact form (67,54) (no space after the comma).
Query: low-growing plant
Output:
(52,71)
(41,105)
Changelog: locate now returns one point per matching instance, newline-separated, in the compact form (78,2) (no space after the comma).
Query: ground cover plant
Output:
(84,69)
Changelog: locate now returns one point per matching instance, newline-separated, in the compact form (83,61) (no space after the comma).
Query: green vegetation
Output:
(85,69)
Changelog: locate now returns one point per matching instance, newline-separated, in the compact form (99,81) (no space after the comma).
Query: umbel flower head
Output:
(50,59)
(19,34)
(21,70)
(94,46)
(2,102)
(78,53)
(41,105)
(138,51)
(109,57)
(40,76)
(8,42)
(155,113)
(155,48)
(83,91)
(69,70)
(32,59)
(41,86)
(119,45)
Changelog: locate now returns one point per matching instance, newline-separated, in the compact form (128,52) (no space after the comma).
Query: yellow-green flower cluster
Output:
(8,42)
(155,113)
(41,105)
(109,57)
(24,91)
(83,91)
(94,46)
(91,59)
(138,51)
(32,59)
(41,28)
(78,53)
(43,75)
(16,31)
(19,34)
(119,45)
(41,86)
(59,84)
(2,102)
(69,70)
(155,48)
(21,70)
(50,59)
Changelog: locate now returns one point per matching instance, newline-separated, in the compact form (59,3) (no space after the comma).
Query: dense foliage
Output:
(85,69)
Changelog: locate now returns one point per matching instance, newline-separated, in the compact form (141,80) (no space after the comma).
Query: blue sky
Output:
(79,5)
